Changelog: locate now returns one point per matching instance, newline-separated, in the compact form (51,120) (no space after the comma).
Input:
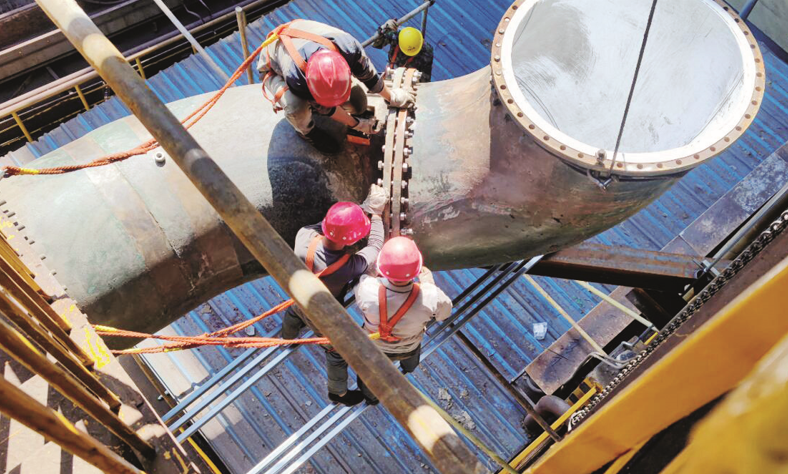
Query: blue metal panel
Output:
(460,32)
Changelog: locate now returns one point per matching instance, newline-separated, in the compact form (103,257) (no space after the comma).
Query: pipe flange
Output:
(586,156)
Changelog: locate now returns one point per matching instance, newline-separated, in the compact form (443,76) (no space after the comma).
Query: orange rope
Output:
(150,144)
(216,338)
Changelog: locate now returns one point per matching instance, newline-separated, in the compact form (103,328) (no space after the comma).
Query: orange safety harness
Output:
(310,260)
(394,58)
(286,33)
(385,326)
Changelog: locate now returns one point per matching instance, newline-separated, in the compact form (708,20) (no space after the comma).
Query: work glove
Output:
(383,30)
(401,98)
(376,200)
(425,275)
(390,25)
(365,125)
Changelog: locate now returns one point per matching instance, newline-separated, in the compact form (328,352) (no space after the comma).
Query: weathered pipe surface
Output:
(138,246)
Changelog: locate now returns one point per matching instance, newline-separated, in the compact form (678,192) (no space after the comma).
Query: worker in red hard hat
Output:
(323,247)
(311,68)
(397,307)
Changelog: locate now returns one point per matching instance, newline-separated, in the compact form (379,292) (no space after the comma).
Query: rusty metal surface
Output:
(730,211)
(619,265)
(555,366)
(774,253)
(495,195)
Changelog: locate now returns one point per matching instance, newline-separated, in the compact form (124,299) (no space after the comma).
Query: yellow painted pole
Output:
(22,126)
(622,460)
(33,331)
(240,17)
(82,97)
(15,345)
(17,405)
(566,316)
(525,453)
(140,69)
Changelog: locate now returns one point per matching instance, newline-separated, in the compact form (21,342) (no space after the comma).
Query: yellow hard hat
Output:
(410,41)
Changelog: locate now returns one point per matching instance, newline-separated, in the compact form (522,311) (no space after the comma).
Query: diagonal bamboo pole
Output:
(447,451)
(17,405)
(15,345)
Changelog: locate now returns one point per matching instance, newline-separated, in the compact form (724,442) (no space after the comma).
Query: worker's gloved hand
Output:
(401,98)
(376,200)
(381,41)
(390,25)
(365,125)
(425,275)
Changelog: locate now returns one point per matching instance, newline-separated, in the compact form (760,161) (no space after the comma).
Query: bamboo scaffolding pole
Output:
(436,437)
(15,345)
(51,346)
(17,405)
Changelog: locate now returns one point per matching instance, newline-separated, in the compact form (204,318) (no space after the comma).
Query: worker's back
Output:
(430,303)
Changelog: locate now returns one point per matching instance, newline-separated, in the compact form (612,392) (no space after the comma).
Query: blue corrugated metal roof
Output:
(460,32)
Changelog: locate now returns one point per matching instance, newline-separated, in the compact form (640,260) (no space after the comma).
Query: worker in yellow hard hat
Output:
(407,48)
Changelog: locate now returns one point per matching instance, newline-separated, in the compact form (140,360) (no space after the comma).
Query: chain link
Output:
(694,305)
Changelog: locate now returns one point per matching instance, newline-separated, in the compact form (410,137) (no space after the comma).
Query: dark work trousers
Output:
(336,367)
(408,363)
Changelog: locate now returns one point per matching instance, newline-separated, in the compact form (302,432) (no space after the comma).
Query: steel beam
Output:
(434,435)
(618,265)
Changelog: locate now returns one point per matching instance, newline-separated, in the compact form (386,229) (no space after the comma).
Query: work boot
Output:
(322,141)
(350,398)
(372,401)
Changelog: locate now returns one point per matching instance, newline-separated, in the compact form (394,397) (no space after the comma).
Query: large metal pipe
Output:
(503,168)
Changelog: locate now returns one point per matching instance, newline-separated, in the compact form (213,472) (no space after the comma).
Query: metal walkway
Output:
(301,445)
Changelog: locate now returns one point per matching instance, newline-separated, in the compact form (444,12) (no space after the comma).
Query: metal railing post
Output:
(423,7)
(195,44)
(21,126)
(40,309)
(17,405)
(425,425)
(82,97)
(15,345)
(747,9)
(424,18)
(240,17)
(140,69)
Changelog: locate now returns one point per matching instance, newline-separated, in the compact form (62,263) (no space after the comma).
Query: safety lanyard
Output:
(385,326)
(394,58)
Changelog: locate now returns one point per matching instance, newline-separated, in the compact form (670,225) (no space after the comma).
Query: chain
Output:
(694,305)
(395,165)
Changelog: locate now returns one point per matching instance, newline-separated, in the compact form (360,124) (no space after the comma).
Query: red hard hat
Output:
(399,260)
(346,223)
(328,78)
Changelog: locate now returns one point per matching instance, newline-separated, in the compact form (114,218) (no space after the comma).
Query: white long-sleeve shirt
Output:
(431,303)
